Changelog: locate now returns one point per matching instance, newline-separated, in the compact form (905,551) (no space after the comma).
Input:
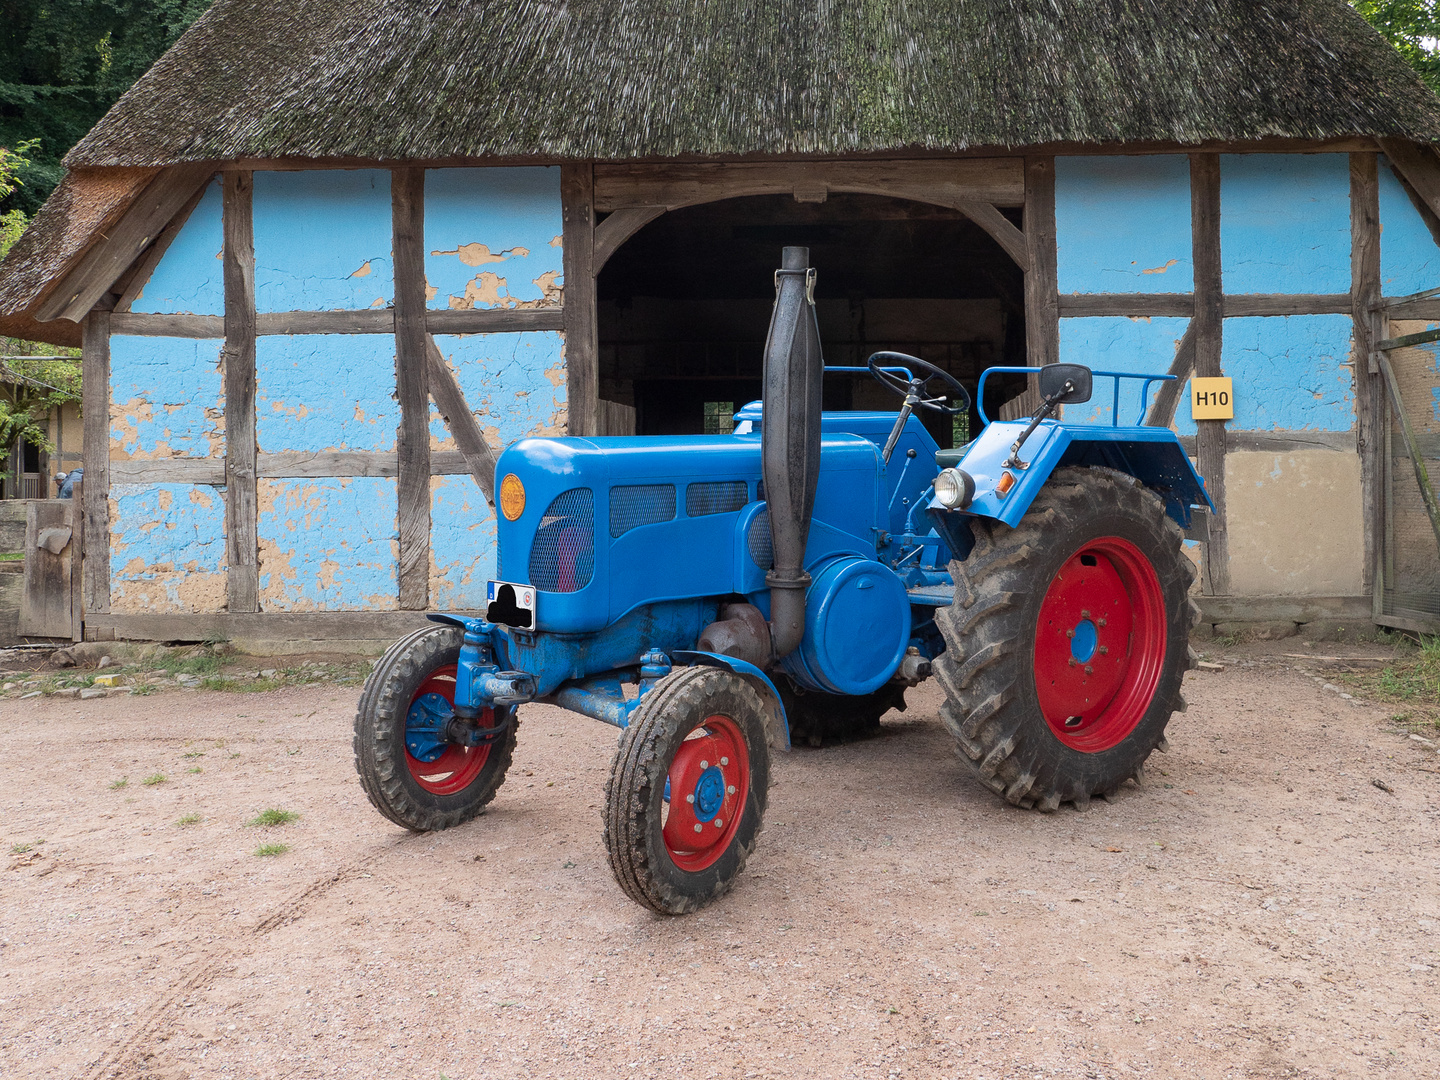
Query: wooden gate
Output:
(50,606)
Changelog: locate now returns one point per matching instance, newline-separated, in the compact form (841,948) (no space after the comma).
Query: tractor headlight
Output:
(954,488)
(512,497)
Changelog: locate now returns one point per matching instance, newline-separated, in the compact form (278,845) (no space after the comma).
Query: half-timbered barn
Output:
(326,257)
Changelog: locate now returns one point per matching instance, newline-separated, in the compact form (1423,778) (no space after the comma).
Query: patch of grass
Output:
(12,556)
(194,769)
(189,819)
(1411,680)
(143,690)
(193,754)
(153,779)
(116,785)
(272,817)
(21,849)
(266,850)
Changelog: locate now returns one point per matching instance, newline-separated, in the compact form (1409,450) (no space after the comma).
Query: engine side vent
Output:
(562,559)
(758,541)
(640,504)
(715,497)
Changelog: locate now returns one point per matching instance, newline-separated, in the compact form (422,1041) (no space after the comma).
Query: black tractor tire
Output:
(989,667)
(819,719)
(381,758)
(648,868)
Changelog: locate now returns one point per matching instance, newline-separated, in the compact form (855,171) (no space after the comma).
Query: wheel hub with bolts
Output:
(705,790)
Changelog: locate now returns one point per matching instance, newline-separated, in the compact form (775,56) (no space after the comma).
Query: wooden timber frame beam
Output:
(242,545)
(1370,327)
(412,384)
(582,332)
(1208,328)
(95,487)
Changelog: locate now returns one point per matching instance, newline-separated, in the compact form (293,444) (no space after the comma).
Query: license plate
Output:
(510,604)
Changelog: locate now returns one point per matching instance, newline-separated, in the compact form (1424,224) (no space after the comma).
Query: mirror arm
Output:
(1013,461)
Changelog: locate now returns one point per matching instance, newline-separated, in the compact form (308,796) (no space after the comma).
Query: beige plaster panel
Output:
(1295,523)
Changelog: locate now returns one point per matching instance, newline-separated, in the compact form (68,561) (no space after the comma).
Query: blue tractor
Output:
(715,597)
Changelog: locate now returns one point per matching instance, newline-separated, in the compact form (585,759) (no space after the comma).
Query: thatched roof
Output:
(615,79)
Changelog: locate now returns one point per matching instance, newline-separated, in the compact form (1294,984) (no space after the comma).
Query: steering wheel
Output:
(916,390)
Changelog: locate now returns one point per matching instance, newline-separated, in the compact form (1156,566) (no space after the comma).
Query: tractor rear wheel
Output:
(411,774)
(817,719)
(687,791)
(1068,640)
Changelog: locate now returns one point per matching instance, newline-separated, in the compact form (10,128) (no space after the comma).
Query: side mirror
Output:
(1053,378)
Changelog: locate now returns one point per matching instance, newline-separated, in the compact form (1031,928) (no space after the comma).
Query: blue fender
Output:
(751,674)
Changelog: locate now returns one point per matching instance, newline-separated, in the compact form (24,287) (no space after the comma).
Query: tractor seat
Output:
(948,459)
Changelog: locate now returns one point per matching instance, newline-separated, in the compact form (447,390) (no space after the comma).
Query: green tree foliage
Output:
(63,63)
(1413,27)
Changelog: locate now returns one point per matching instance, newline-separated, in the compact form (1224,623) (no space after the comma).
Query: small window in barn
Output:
(719,417)
(960,429)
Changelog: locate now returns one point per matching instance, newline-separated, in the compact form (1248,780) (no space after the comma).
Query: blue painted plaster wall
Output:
(322,240)
(189,279)
(328,544)
(462,543)
(492,237)
(1123,224)
(167,398)
(167,548)
(1120,344)
(1409,259)
(1285,223)
(515,384)
(1290,373)
(325,392)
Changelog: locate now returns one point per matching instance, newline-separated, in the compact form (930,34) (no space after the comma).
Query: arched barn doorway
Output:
(683,305)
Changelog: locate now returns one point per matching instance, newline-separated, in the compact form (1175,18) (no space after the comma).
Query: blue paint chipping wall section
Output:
(166,398)
(322,240)
(167,548)
(462,544)
(189,277)
(1139,345)
(1123,224)
(514,383)
(328,544)
(322,392)
(1409,259)
(1291,373)
(492,237)
(1285,223)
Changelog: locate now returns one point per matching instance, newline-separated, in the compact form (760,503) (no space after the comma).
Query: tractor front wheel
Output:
(412,774)
(1068,640)
(687,790)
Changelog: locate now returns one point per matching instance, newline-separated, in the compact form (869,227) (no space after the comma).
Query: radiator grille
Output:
(758,541)
(640,504)
(562,558)
(716,497)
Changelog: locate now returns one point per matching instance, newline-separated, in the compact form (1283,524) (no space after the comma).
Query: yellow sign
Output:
(1212,399)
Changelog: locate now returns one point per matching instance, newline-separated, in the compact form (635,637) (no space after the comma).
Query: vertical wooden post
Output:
(582,346)
(407,212)
(1042,284)
(95,488)
(1369,397)
(242,579)
(1208,327)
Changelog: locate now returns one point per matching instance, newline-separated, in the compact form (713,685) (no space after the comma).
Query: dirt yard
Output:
(1261,908)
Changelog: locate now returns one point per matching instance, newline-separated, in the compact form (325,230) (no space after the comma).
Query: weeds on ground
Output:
(272,817)
(194,769)
(153,779)
(188,819)
(1411,680)
(265,850)
(116,785)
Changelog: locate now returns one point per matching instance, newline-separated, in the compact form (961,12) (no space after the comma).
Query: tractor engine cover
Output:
(857,626)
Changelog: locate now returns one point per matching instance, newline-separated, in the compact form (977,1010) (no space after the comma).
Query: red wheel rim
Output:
(706,789)
(1100,644)
(457,766)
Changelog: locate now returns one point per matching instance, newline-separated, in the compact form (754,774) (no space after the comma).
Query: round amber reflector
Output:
(512,497)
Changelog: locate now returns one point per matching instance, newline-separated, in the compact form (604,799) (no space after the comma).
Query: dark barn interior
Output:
(685,303)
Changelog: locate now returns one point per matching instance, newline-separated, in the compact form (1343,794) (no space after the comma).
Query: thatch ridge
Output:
(618,79)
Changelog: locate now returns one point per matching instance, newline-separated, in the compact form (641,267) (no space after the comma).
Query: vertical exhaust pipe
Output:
(790,441)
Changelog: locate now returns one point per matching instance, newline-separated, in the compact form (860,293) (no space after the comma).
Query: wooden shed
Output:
(325,257)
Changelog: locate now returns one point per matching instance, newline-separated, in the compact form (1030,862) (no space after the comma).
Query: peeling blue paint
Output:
(1290,373)
(328,544)
(462,544)
(325,392)
(189,279)
(167,397)
(482,225)
(515,383)
(1409,259)
(1121,344)
(1285,223)
(322,240)
(164,538)
(1123,224)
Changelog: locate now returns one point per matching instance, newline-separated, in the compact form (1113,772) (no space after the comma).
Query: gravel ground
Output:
(1261,908)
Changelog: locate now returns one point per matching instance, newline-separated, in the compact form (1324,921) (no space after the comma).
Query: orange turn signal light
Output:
(1006,482)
